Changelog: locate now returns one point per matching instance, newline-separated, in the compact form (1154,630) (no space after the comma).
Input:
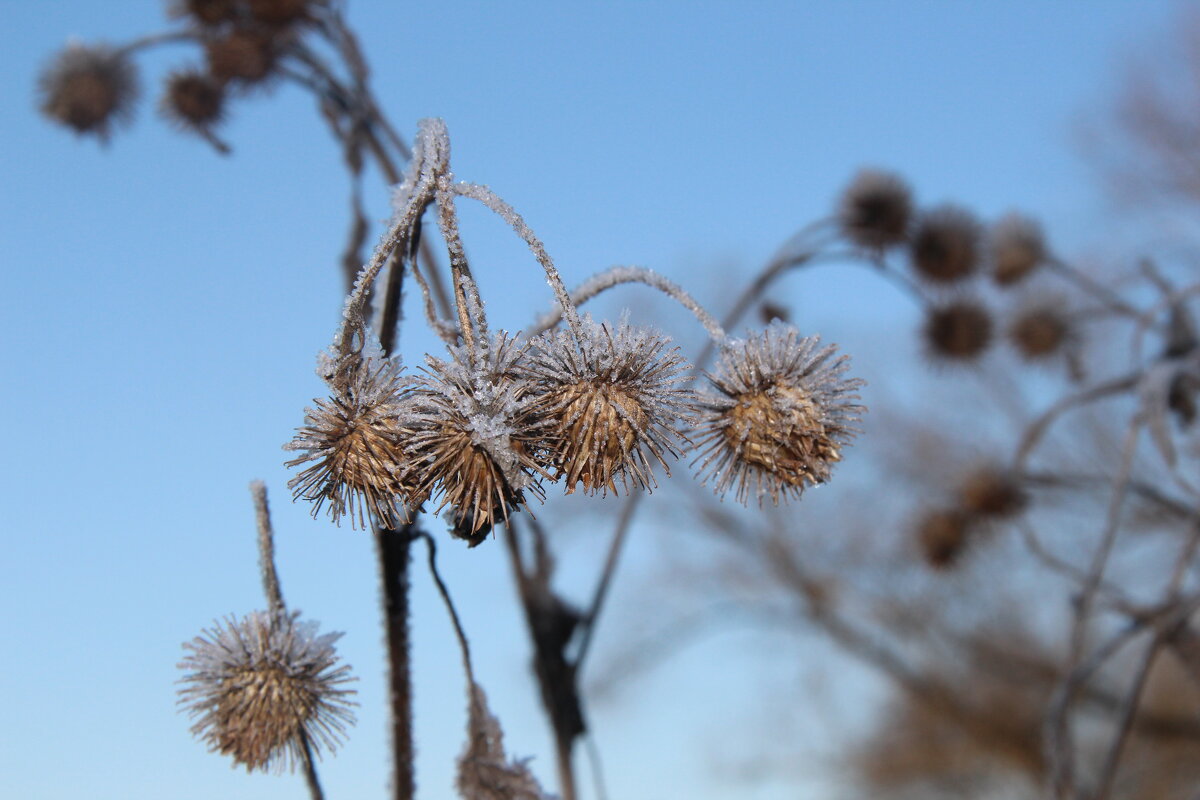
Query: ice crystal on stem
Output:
(265,688)
(781,414)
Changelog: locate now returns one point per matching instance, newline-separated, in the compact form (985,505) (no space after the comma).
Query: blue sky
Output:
(162,307)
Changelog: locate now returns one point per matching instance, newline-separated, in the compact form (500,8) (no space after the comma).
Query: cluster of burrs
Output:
(593,405)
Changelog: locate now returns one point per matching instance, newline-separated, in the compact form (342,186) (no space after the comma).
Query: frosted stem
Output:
(466,293)
(266,549)
(490,199)
(615,276)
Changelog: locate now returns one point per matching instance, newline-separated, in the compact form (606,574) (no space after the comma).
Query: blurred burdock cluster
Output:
(243,44)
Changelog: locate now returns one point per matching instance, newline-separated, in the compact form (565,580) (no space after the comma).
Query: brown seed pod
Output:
(945,245)
(476,440)
(354,442)
(89,89)
(612,402)
(781,414)
(1040,331)
(1017,247)
(960,330)
(991,491)
(244,56)
(875,209)
(265,689)
(193,100)
(942,536)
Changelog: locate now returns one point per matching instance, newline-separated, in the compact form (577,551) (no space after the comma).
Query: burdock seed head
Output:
(612,402)
(476,439)
(1017,246)
(945,245)
(264,688)
(942,535)
(243,55)
(353,443)
(875,209)
(960,330)
(89,88)
(1040,331)
(193,100)
(991,491)
(780,416)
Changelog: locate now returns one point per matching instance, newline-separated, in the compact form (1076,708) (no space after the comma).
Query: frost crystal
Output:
(780,416)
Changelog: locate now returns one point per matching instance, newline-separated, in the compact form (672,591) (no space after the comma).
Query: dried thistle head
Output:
(242,55)
(193,100)
(781,414)
(612,402)
(89,88)
(991,491)
(1040,331)
(945,245)
(354,442)
(960,330)
(875,209)
(941,534)
(263,686)
(476,440)
(1017,246)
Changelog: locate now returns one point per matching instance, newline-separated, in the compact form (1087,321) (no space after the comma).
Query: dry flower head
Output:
(476,440)
(991,491)
(781,414)
(265,686)
(942,535)
(1017,246)
(1039,331)
(89,88)
(355,442)
(960,330)
(945,244)
(612,401)
(193,100)
(875,209)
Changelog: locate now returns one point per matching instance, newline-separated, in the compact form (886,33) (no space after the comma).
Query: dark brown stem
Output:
(310,769)
(394,548)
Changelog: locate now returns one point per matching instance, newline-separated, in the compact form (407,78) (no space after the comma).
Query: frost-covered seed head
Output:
(957,331)
(262,686)
(942,535)
(242,55)
(1017,246)
(612,401)
(991,491)
(476,440)
(354,444)
(875,209)
(193,100)
(782,414)
(89,88)
(945,245)
(1039,331)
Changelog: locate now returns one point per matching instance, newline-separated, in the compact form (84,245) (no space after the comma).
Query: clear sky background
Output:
(162,307)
